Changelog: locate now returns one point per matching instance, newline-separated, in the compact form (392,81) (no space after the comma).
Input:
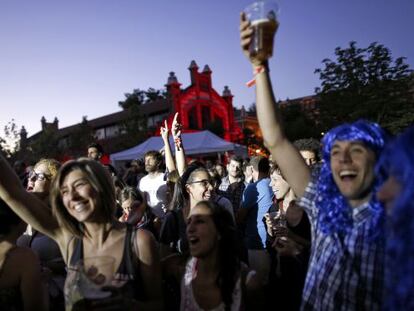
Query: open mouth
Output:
(29,188)
(193,241)
(79,207)
(347,175)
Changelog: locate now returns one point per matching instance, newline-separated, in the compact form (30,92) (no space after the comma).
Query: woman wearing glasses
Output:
(53,266)
(194,186)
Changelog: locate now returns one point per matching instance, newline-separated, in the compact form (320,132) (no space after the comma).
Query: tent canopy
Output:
(194,143)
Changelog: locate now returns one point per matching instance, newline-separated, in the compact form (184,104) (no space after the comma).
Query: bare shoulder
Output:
(144,238)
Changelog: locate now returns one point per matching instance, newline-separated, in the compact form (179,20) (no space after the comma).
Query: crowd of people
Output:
(315,226)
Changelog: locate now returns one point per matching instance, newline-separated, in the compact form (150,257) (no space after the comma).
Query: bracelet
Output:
(178,143)
(258,70)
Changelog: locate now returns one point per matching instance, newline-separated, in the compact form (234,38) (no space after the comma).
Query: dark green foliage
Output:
(297,123)
(46,145)
(80,139)
(365,83)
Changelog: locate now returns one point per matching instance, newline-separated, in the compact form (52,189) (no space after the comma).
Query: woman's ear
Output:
(187,188)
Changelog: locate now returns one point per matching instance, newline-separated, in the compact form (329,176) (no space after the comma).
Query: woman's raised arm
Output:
(27,206)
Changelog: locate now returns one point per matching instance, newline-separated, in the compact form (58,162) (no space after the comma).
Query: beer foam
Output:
(262,21)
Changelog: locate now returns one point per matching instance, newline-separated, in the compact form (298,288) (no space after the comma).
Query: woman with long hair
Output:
(84,225)
(214,278)
(194,186)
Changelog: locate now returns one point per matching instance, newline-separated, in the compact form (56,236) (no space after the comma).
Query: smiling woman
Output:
(194,186)
(214,277)
(84,225)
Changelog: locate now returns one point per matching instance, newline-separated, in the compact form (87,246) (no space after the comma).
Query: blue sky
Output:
(69,59)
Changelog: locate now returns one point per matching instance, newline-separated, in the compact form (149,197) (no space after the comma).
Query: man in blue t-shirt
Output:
(256,201)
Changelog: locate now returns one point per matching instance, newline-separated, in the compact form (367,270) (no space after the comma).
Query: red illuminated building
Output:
(200,106)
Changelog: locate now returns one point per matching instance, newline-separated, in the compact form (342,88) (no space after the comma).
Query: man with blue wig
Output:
(346,264)
(397,194)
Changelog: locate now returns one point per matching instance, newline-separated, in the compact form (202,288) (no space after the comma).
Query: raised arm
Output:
(178,143)
(283,152)
(169,160)
(26,205)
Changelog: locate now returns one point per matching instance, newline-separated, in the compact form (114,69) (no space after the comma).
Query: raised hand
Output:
(164,131)
(246,36)
(176,127)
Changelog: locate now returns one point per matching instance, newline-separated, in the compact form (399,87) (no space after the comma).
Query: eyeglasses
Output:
(38,176)
(204,182)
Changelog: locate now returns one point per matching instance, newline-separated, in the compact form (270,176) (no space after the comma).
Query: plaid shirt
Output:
(233,192)
(345,273)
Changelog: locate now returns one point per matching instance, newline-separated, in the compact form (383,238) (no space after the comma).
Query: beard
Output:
(151,168)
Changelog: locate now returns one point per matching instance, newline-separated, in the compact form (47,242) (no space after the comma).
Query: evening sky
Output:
(69,59)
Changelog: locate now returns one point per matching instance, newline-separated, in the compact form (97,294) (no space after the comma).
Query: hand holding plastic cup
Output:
(262,15)
(279,224)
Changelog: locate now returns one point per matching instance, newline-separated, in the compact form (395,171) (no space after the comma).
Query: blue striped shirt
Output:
(345,272)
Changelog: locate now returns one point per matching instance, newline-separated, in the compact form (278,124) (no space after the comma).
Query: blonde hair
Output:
(100,180)
(51,164)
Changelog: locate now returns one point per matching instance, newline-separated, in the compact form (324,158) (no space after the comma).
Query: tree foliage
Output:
(297,123)
(139,97)
(10,141)
(81,138)
(46,145)
(365,83)
(134,127)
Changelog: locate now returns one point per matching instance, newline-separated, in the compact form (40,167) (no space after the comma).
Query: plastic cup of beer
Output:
(262,15)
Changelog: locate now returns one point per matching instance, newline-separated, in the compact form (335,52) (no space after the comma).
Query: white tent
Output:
(197,143)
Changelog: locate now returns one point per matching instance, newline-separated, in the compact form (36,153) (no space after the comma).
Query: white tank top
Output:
(188,302)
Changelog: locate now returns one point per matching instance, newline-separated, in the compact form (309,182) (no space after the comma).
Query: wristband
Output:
(257,70)
(178,143)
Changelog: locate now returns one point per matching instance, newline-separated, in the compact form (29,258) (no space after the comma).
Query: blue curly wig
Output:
(334,210)
(398,161)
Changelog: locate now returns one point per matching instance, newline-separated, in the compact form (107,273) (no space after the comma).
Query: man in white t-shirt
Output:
(153,185)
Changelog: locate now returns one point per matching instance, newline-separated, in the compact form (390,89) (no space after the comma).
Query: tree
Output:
(134,127)
(81,138)
(152,95)
(365,83)
(46,145)
(298,124)
(252,109)
(10,142)
(136,98)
